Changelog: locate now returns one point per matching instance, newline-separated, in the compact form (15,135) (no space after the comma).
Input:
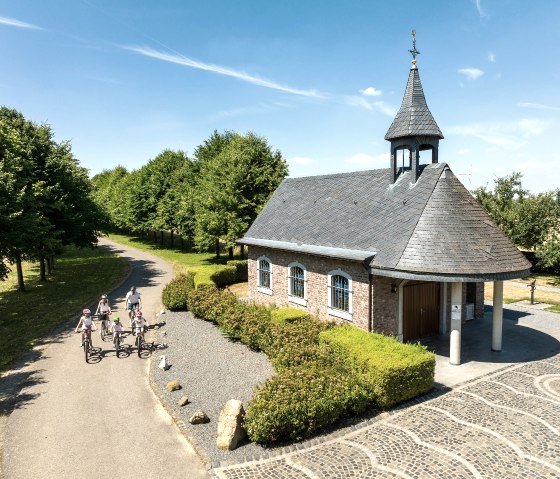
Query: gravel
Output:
(211,370)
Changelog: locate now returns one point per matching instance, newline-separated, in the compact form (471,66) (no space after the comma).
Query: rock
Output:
(183,401)
(230,431)
(174,385)
(162,311)
(199,417)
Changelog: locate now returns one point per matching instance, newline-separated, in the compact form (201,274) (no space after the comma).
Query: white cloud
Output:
(491,57)
(464,151)
(12,22)
(360,101)
(221,70)
(471,73)
(507,135)
(371,91)
(535,165)
(537,106)
(364,160)
(481,13)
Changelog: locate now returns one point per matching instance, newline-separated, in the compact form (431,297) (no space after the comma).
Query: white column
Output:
(497,315)
(455,336)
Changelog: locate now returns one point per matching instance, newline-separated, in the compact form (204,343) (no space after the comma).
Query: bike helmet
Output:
(138,313)
(86,311)
(103,296)
(116,318)
(133,288)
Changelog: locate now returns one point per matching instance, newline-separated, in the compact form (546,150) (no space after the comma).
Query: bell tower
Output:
(414,129)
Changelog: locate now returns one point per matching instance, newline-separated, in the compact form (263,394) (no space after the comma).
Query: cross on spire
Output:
(413,51)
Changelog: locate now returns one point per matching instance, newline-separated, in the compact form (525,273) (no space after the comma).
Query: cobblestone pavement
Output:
(503,425)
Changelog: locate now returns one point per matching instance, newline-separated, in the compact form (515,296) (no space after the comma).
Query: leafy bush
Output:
(287,315)
(241,267)
(302,400)
(224,275)
(175,294)
(394,371)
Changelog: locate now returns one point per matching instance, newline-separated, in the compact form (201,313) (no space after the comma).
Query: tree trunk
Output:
(242,251)
(230,251)
(43,273)
(171,233)
(155,236)
(49,266)
(21,284)
(217,247)
(161,237)
(182,244)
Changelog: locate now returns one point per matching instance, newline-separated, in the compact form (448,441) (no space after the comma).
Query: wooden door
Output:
(420,310)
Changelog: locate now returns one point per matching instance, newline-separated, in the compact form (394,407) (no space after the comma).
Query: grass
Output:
(513,294)
(542,280)
(203,264)
(76,282)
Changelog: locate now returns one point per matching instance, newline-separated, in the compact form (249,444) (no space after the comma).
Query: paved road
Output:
(78,420)
(505,425)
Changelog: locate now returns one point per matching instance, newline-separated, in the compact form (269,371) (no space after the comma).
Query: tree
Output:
(233,187)
(532,222)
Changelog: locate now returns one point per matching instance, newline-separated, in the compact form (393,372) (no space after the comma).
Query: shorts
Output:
(131,306)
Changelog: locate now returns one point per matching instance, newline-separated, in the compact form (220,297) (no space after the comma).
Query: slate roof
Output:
(414,118)
(431,227)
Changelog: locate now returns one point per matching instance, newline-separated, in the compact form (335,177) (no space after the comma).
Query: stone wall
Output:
(317,269)
(385,305)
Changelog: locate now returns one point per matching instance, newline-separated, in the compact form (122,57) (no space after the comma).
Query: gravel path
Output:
(211,370)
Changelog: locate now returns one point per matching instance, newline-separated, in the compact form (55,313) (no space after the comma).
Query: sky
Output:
(122,80)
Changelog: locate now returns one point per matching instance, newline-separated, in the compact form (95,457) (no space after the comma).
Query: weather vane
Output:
(414,52)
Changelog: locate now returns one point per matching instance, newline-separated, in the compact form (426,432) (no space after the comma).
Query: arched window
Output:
(297,284)
(264,275)
(340,294)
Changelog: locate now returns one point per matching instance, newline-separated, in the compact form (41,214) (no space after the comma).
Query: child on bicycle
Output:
(103,310)
(86,322)
(139,323)
(116,328)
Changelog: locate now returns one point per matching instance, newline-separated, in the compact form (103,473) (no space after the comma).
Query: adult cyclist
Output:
(132,302)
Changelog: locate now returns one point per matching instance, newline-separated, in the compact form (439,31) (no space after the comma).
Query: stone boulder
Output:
(199,417)
(230,431)
(183,401)
(174,385)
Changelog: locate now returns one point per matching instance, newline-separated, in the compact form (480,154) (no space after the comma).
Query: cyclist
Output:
(139,323)
(103,310)
(86,322)
(132,302)
(116,328)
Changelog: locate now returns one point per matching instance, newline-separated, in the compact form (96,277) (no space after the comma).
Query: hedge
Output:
(224,275)
(175,293)
(301,400)
(288,315)
(241,267)
(395,372)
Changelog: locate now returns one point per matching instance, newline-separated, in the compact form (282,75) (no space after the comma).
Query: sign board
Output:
(456,312)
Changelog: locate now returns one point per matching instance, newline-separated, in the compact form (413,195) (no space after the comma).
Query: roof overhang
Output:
(449,278)
(326,251)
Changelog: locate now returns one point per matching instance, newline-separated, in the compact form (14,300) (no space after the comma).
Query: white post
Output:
(455,336)
(497,315)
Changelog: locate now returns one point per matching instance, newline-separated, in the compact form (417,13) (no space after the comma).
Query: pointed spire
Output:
(414,117)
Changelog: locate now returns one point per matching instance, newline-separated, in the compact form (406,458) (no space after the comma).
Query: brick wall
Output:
(317,269)
(385,305)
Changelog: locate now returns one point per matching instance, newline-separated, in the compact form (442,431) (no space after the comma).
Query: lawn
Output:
(76,282)
(203,264)
(513,294)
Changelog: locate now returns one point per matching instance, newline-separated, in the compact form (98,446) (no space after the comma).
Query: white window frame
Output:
(330,309)
(264,289)
(291,297)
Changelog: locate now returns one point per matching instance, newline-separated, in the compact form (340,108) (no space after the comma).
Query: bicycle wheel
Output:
(86,348)
(103,330)
(117,345)
(139,339)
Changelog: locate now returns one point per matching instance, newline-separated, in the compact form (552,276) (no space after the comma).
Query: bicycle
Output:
(86,342)
(117,342)
(104,330)
(132,311)
(139,341)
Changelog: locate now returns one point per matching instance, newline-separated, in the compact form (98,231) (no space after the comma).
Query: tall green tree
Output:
(233,187)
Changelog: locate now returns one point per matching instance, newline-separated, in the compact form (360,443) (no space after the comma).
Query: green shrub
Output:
(242,269)
(302,400)
(224,275)
(293,344)
(288,315)
(394,371)
(255,327)
(175,293)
